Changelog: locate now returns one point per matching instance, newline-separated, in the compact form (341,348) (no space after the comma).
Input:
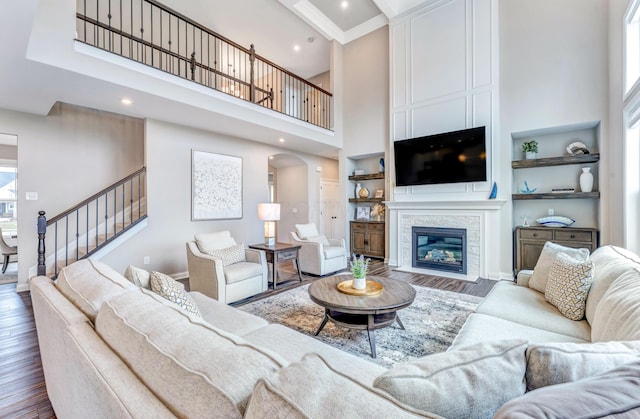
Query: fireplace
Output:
(443,249)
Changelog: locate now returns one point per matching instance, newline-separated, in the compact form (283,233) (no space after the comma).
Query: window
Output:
(8,200)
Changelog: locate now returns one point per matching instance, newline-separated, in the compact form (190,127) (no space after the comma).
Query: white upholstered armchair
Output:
(318,254)
(224,270)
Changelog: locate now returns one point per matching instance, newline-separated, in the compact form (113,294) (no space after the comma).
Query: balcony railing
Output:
(150,33)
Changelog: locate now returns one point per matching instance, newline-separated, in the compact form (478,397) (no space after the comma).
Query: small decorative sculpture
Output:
(381,165)
(526,188)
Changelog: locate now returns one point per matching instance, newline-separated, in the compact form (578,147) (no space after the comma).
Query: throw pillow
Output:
(230,255)
(568,285)
(611,394)
(138,276)
(471,381)
(538,280)
(556,363)
(214,241)
(305,231)
(319,239)
(169,288)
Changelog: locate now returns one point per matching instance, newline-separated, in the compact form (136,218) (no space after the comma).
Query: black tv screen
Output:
(451,157)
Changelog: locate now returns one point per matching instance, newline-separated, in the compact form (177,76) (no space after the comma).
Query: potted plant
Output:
(530,149)
(359,267)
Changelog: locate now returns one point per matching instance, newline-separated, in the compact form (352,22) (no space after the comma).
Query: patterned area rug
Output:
(431,323)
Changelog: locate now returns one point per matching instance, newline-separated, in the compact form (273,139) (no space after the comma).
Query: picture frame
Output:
(216,186)
(362,213)
(379,193)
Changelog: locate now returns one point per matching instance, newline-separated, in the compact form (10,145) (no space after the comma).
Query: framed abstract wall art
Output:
(216,186)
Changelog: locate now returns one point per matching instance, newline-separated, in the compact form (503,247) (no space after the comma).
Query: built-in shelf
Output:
(356,200)
(550,195)
(556,161)
(369,176)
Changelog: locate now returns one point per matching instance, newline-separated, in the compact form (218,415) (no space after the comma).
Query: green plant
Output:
(530,146)
(359,266)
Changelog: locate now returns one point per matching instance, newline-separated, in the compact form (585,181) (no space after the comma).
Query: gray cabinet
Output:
(529,242)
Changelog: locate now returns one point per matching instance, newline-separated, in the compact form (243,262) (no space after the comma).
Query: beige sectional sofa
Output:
(111,349)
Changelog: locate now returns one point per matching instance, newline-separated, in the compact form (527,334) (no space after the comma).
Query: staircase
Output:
(94,226)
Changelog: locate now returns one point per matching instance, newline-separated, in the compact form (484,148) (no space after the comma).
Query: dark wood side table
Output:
(277,253)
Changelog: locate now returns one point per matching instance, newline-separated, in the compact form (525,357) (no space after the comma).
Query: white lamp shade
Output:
(269,212)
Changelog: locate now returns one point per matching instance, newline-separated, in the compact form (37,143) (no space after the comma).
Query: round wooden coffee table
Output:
(361,312)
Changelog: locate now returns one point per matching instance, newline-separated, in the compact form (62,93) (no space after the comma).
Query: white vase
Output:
(358,187)
(586,180)
(359,283)
(529,155)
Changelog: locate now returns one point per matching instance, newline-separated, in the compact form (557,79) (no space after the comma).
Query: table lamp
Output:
(269,213)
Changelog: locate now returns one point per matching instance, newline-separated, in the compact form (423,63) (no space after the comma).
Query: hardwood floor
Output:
(22,388)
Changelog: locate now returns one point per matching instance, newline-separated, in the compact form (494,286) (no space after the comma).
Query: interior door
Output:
(331,217)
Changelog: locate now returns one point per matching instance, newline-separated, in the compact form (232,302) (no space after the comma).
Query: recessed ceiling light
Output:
(296,48)
(126,101)
(281,140)
(344,4)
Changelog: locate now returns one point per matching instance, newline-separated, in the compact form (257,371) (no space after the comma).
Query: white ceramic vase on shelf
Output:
(358,187)
(586,180)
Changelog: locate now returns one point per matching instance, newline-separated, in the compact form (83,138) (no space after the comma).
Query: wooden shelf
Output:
(369,176)
(572,195)
(556,161)
(356,200)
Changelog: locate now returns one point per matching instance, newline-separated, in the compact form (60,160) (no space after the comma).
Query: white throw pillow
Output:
(319,239)
(230,255)
(138,276)
(214,241)
(538,280)
(568,285)
(470,381)
(305,231)
(169,288)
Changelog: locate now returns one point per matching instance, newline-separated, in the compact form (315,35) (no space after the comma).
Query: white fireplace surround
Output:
(477,217)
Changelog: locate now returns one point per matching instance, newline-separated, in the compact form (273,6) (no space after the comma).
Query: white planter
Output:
(530,155)
(359,283)
(586,180)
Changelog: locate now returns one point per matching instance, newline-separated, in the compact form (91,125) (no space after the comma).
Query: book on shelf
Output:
(563,190)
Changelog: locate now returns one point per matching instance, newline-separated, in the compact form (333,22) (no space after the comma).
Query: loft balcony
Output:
(152,34)
(90,57)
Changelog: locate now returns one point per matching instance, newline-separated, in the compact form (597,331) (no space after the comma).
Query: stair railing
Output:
(88,226)
(155,35)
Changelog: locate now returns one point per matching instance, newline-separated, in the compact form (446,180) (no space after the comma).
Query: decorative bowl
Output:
(555,221)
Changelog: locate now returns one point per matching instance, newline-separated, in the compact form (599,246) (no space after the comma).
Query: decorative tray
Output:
(372,288)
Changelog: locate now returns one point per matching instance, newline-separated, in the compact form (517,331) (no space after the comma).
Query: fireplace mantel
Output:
(487,205)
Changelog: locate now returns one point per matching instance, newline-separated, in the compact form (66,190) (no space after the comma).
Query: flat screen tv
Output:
(450,157)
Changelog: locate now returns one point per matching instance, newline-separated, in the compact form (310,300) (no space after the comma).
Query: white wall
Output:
(292,196)
(366,94)
(553,71)
(74,152)
(66,157)
(168,159)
